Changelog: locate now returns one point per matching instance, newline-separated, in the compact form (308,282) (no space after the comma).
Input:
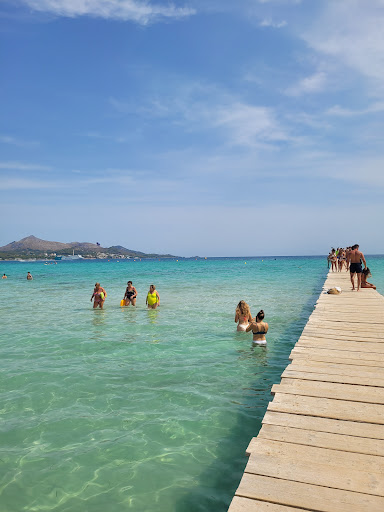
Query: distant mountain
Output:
(31,245)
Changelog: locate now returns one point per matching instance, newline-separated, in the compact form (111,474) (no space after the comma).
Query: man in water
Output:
(29,276)
(4,276)
(354,258)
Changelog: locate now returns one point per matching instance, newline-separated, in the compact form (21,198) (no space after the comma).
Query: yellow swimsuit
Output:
(151,298)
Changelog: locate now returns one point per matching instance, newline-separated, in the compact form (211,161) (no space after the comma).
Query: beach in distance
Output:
(127,408)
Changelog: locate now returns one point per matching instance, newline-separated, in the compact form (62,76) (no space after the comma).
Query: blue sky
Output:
(198,127)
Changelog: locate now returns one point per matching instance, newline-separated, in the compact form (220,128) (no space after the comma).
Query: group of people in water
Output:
(352,258)
(152,300)
(245,322)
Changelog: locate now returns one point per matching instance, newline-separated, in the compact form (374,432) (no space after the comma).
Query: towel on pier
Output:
(334,291)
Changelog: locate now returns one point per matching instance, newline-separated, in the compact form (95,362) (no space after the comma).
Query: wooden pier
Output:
(321,446)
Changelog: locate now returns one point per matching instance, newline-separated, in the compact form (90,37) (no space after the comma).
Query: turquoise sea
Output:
(127,409)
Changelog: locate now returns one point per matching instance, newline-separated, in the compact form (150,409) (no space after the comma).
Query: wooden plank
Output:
(344,336)
(336,352)
(346,443)
(324,377)
(325,325)
(339,369)
(351,346)
(349,318)
(343,333)
(312,454)
(309,497)
(334,337)
(317,424)
(335,391)
(298,356)
(328,408)
(336,469)
(240,504)
(343,327)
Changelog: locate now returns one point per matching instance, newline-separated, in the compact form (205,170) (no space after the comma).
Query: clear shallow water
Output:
(137,410)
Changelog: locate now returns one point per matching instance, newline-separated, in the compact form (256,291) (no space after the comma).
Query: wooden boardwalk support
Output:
(321,446)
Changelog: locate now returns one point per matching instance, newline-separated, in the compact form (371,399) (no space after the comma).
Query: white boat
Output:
(72,257)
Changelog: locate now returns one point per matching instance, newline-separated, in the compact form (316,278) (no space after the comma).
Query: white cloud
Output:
(8,139)
(139,11)
(315,83)
(267,22)
(337,110)
(351,31)
(114,138)
(248,125)
(200,108)
(18,166)
(25,184)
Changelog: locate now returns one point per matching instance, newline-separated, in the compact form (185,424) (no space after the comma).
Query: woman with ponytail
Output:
(259,329)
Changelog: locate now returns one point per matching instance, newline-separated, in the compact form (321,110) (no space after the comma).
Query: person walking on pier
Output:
(355,257)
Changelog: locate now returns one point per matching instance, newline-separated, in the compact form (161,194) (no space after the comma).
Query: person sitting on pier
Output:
(355,257)
(259,329)
(364,283)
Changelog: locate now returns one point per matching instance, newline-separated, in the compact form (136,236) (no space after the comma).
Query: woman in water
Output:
(153,298)
(98,296)
(243,315)
(259,329)
(130,294)
(364,283)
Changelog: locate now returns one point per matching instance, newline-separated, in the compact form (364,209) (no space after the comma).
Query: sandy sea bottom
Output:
(129,409)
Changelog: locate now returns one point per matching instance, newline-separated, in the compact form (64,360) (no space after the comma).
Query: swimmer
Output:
(130,294)
(243,315)
(29,276)
(4,277)
(364,283)
(153,298)
(98,296)
(259,329)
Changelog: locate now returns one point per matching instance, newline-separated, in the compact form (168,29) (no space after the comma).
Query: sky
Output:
(193,127)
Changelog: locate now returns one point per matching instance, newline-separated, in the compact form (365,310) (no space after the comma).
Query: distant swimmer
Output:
(130,294)
(4,277)
(153,298)
(259,329)
(29,276)
(355,257)
(243,316)
(364,283)
(98,296)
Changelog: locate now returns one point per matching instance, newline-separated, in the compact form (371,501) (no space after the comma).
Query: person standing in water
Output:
(130,294)
(153,298)
(98,296)
(4,276)
(259,329)
(243,316)
(29,276)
